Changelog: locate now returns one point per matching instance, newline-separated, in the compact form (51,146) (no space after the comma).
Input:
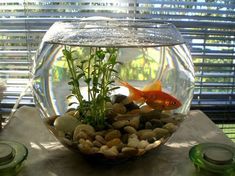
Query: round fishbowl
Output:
(113,89)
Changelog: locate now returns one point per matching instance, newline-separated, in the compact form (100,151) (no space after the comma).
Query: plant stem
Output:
(72,70)
(89,75)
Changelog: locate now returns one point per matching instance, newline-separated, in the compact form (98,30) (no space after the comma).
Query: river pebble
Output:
(112,134)
(121,123)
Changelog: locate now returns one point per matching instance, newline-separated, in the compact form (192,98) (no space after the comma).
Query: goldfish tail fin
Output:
(134,94)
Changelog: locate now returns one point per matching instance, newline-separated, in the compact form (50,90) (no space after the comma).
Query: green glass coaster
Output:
(12,155)
(214,158)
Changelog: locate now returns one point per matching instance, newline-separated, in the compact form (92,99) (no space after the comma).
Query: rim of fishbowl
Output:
(156,23)
(114,23)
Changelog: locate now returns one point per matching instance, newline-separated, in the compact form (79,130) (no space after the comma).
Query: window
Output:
(208,27)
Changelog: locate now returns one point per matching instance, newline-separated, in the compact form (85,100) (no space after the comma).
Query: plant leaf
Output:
(79,76)
(113,88)
(88,80)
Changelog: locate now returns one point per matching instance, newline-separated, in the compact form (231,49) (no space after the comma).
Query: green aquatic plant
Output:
(97,71)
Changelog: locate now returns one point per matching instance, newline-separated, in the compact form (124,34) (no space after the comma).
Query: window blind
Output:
(208,27)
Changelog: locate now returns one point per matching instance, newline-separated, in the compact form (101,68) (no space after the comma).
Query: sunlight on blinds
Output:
(208,27)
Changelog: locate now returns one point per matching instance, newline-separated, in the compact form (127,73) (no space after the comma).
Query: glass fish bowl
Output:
(113,89)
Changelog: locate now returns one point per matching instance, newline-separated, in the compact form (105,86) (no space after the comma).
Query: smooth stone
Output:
(114,142)
(100,139)
(86,128)
(134,112)
(101,133)
(153,145)
(178,116)
(85,147)
(156,123)
(170,127)
(66,123)
(154,114)
(152,140)
(68,136)
(148,125)
(112,134)
(50,120)
(133,136)
(84,131)
(120,146)
(165,115)
(161,132)
(141,151)
(126,116)
(89,142)
(121,123)
(95,149)
(133,142)
(129,151)
(119,108)
(86,142)
(97,143)
(60,134)
(169,120)
(82,140)
(110,114)
(104,147)
(80,135)
(130,129)
(114,150)
(135,121)
(109,152)
(126,101)
(131,106)
(142,144)
(118,98)
(108,105)
(145,134)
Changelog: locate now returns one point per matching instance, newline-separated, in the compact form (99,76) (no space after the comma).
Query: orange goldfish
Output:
(153,96)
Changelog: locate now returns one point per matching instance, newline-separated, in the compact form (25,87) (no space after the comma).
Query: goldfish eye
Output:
(173,103)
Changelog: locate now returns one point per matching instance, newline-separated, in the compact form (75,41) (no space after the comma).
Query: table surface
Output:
(47,157)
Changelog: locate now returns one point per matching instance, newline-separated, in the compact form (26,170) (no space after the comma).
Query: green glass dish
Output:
(12,155)
(214,158)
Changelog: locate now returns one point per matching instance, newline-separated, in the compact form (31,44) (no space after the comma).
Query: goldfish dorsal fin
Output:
(154,86)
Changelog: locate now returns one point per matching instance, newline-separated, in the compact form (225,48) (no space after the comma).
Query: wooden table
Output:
(47,157)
